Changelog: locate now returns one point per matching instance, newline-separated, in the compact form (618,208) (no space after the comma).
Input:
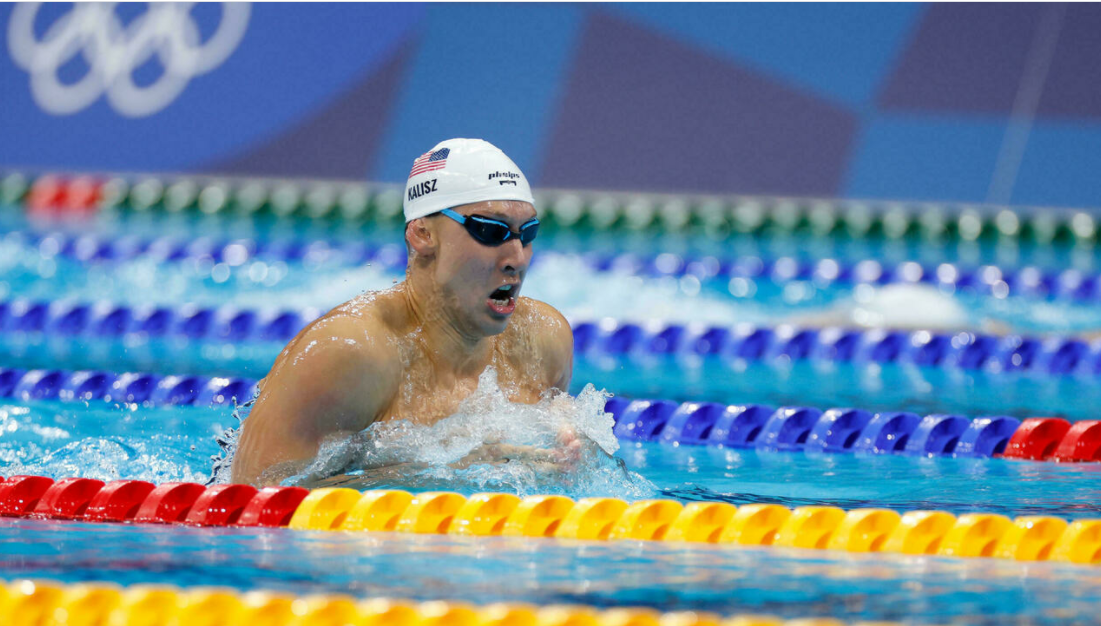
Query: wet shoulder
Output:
(541,319)
(374,308)
(360,329)
(539,330)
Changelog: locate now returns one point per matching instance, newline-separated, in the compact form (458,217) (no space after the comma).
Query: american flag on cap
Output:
(430,161)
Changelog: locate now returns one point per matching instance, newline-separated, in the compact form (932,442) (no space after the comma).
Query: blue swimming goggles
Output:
(491,232)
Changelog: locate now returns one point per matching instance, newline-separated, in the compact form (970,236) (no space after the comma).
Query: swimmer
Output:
(416,350)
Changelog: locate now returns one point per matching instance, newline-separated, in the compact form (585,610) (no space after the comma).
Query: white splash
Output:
(104,458)
(561,444)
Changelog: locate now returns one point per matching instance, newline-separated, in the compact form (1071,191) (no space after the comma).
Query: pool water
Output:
(37,271)
(161,444)
(623,297)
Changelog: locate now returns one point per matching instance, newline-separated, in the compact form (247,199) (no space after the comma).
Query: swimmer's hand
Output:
(564,456)
(500,453)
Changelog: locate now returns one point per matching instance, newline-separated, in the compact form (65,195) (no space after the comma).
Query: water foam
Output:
(106,442)
(488,444)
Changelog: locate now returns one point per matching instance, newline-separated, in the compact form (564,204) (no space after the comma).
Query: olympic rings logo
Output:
(112,53)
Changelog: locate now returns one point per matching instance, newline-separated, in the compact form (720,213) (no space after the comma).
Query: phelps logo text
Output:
(422,189)
(506,178)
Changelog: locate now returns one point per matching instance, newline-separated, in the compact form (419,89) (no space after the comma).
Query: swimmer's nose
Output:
(513,257)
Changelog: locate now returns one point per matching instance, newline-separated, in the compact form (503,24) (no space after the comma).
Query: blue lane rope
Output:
(838,430)
(127,388)
(168,249)
(228,324)
(748,343)
(1058,356)
(1069,284)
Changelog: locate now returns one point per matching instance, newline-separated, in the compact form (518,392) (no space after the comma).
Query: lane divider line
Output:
(127,388)
(81,194)
(605,338)
(1027,538)
(48,603)
(847,430)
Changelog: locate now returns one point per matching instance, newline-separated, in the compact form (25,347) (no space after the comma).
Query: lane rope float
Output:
(48,603)
(1026,538)
(1053,355)
(84,194)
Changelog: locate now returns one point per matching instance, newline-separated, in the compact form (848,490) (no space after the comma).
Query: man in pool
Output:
(416,350)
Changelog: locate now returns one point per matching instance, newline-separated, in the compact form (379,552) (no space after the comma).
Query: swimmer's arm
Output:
(560,359)
(332,382)
(558,355)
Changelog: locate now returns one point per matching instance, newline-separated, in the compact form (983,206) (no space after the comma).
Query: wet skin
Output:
(413,351)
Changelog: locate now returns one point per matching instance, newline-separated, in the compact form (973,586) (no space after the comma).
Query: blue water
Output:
(38,272)
(170,444)
(270,286)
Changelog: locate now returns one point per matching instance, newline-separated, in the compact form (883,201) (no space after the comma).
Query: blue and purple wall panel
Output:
(975,103)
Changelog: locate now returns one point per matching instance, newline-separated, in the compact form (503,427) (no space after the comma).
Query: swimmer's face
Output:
(483,281)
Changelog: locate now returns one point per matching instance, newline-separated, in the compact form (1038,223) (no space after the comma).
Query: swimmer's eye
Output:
(492,232)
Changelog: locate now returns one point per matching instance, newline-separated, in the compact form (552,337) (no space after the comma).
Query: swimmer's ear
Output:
(420,238)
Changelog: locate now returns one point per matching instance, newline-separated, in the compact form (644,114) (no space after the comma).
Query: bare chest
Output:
(428,395)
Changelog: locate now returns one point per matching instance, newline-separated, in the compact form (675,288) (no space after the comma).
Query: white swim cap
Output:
(461,171)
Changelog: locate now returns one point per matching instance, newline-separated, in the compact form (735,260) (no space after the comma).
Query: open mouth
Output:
(503,299)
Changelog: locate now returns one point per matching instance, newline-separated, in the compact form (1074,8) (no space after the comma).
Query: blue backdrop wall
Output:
(989,102)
